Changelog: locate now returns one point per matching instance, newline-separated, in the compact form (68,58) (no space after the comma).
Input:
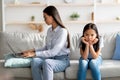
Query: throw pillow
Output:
(12,61)
(116,55)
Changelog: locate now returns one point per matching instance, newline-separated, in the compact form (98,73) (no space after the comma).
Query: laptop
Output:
(17,55)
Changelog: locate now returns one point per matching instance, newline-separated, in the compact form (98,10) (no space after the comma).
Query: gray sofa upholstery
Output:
(110,69)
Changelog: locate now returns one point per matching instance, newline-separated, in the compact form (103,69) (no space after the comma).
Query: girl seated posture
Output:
(53,57)
(90,51)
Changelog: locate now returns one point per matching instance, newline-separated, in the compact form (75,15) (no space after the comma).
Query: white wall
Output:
(102,13)
(0,15)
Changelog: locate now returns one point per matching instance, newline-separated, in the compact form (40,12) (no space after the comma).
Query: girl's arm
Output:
(101,45)
(84,54)
(93,53)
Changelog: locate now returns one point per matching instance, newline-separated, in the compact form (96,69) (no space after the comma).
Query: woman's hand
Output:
(84,41)
(28,54)
(31,50)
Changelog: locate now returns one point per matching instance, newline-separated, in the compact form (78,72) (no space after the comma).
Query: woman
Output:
(54,56)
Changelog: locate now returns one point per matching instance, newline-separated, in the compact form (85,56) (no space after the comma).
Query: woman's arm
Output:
(58,45)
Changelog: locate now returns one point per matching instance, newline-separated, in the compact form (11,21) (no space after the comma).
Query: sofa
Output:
(110,69)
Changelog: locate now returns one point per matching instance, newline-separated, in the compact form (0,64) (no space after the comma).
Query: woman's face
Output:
(90,35)
(48,19)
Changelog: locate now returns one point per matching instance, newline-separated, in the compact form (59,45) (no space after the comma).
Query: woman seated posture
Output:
(54,56)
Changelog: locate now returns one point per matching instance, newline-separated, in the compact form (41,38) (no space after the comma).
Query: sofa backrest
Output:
(109,44)
(107,50)
(24,41)
(17,42)
(74,46)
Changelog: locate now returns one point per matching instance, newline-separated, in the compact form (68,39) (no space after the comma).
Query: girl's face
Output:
(90,35)
(48,19)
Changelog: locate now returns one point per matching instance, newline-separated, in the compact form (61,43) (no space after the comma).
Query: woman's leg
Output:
(94,66)
(83,66)
(36,66)
(53,65)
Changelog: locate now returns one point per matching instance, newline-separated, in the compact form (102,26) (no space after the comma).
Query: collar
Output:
(56,29)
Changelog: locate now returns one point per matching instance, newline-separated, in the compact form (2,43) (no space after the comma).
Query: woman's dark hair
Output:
(94,27)
(52,11)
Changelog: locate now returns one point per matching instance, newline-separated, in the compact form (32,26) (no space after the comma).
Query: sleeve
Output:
(101,42)
(59,44)
(41,49)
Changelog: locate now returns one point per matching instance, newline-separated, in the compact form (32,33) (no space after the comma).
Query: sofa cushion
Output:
(15,42)
(71,72)
(12,61)
(74,46)
(109,44)
(26,72)
(109,68)
(116,55)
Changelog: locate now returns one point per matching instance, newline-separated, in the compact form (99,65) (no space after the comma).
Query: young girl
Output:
(90,51)
(54,56)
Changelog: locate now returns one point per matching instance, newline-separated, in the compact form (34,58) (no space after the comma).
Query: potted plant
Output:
(118,18)
(74,16)
(32,18)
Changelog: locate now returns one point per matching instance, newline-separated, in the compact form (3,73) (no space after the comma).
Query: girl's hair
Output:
(94,27)
(52,11)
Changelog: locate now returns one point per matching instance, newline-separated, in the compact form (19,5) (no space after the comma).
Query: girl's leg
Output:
(53,65)
(94,66)
(83,66)
(36,66)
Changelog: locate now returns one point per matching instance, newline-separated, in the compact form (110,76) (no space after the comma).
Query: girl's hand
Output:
(94,41)
(84,41)
(28,54)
